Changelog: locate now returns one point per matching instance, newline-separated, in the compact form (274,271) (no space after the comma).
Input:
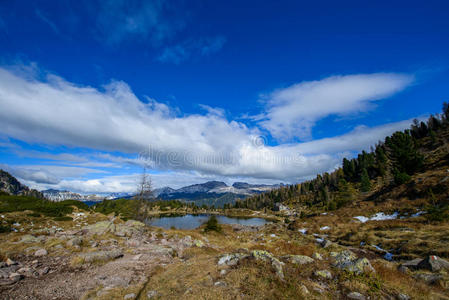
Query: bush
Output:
(401,177)
(212,225)
(4,229)
(438,213)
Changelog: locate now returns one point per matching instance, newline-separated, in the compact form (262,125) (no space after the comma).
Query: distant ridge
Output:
(215,193)
(11,186)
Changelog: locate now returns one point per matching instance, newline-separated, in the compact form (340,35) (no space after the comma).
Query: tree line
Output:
(392,162)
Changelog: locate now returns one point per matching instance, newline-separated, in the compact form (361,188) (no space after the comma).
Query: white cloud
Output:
(56,112)
(292,111)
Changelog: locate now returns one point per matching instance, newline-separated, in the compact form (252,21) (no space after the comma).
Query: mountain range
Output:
(58,195)
(214,193)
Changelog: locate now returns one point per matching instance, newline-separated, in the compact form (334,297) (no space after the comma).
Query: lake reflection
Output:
(194,221)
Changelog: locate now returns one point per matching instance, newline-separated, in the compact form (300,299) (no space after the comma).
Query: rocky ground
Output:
(103,257)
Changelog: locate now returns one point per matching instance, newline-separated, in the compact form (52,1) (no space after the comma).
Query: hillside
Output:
(11,186)
(409,167)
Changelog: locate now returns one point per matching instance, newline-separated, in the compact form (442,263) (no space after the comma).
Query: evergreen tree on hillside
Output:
(403,153)
(365,185)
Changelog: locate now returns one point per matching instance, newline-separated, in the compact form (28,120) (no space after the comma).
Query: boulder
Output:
(412,264)
(231,259)
(99,256)
(76,241)
(298,259)
(355,296)
(325,243)
(403,297)
(40,252)
(100,228)
(325,274)
(268,257)
(28,238)
(433,263)
(346,260)
(431,279)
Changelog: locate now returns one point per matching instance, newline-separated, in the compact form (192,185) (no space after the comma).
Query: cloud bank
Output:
(292,111)
(49,110)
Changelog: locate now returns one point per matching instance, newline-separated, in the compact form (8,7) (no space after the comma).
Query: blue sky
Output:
(266,91)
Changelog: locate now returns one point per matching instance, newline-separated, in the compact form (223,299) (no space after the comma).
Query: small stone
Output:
(10,262)
(304,290)
(356,296)
(15,276)
(223,272)
(151,294)
(43,271)
(317,256)
(220,283)
(403,297)
(40,252)
(404,270)
(130,296)
(74,242)
(323,274)
(3,264)
(326,243)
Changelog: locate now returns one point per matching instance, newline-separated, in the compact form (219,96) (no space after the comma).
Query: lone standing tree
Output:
(143,195)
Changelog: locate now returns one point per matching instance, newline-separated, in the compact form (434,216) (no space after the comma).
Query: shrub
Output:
(438,213)
(212,225)
(4,229)
(401,177)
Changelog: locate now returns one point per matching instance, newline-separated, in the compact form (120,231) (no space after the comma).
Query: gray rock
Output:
(3,264)
(99,256)
(403,297)
(433,263)
(298,259)
(412,264)
(76,241)
(429,278)
(40,252)
(346,260)
(356,296)
(129,296)
(220,283)
(43,271)
(28,238)
(15,276)
(231,259)
(326,243)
